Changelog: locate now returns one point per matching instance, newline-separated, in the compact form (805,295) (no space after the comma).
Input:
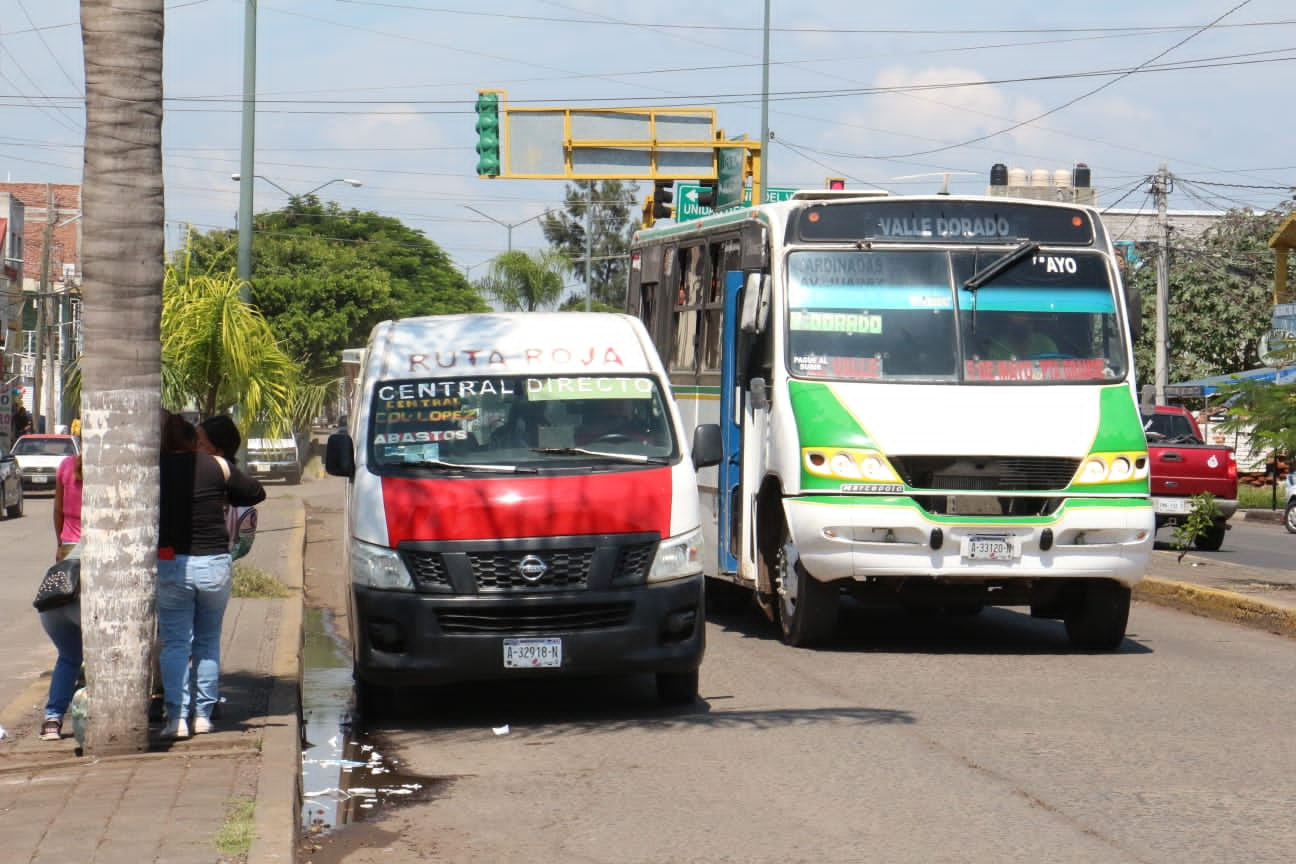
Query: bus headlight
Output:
(378,567)
(1112,468)
(848,464)
(677,557)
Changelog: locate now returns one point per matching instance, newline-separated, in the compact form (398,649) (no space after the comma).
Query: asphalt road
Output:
(29,547)
(909,739)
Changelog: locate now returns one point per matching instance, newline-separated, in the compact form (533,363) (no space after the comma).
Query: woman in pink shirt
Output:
(67,505)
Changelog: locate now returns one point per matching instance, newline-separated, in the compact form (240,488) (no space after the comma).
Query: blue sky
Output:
(382,91)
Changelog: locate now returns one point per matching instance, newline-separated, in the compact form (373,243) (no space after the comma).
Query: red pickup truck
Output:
(1183,465)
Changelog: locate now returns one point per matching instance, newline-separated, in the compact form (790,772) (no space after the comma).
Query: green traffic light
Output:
(488,137)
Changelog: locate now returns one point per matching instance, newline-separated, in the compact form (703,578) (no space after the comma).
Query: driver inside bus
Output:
(1017,337)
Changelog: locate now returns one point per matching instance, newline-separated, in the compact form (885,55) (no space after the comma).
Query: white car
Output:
(39,457)
(11,487)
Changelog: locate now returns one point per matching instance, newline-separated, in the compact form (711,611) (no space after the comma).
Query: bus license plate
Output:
(532,653)
(989,547)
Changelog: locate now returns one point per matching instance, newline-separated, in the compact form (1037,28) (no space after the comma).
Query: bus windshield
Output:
(909,315)
(528,421)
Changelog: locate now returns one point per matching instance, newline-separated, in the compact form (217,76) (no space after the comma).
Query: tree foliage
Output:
(611,227)
(1220,298)
(526,282)
(219,353)
(323,276)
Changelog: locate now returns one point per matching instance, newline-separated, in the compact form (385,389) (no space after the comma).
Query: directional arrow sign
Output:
(688,208)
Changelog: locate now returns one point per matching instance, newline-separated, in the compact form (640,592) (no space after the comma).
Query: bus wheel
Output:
(1096,616)
(807,608)
(677,688)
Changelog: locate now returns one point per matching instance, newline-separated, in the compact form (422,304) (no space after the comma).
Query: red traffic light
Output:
(836,183)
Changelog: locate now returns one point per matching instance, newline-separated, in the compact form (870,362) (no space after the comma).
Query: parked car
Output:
(11,486)
(274,456)
(39,457)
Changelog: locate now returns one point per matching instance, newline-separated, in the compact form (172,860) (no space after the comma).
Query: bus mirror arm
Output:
(759,394)
(755,303)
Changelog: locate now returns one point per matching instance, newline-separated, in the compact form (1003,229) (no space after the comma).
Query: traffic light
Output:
(648,219)
(662,195)
(706,193)
(488,134)
(835,183)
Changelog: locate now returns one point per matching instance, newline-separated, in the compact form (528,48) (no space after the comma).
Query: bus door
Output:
(729,478)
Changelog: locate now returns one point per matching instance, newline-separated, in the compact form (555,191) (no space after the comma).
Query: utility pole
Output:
(1161,189)
(247,152)
(589,248)
(47,241)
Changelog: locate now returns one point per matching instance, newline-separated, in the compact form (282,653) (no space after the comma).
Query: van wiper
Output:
(581,451)
(458,466)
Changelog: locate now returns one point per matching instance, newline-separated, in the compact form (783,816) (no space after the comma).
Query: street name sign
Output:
(688,208)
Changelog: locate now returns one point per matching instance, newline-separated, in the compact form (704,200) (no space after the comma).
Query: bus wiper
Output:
(995,268)
(581,451)
(999,265)
(458,466)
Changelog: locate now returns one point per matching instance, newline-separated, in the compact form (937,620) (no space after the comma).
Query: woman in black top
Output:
(195,574)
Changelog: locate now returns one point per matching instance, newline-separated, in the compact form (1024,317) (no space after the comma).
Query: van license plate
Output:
(989,547)
(532,653)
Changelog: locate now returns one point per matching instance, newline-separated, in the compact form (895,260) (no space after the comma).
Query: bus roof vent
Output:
(836,194)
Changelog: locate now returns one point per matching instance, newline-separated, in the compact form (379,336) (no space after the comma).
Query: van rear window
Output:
(492,420)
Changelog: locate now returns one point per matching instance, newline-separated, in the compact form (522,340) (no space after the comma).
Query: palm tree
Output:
(123,253)
(219,353)
(525,282)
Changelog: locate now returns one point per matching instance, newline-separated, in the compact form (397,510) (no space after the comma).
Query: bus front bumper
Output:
(864,538)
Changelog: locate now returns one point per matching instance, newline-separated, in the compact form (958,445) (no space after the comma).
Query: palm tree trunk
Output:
(124,248)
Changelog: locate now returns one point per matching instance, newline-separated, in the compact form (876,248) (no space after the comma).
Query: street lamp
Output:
(355,183)
(245,226)
(506,224)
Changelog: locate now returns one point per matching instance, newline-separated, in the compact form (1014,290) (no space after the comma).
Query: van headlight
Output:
(677,557)
(378,567)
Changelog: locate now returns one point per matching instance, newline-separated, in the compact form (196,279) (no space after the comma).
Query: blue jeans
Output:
(192,593)
(64,628)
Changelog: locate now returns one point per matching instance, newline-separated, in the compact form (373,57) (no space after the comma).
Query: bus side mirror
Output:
(758,394)
(755,308)
(339,455)
(706,445)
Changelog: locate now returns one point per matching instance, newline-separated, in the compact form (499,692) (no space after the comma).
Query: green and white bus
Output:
(919,401)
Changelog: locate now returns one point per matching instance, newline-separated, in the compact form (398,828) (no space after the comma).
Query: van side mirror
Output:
(706,445)
(755,308)
(339,455)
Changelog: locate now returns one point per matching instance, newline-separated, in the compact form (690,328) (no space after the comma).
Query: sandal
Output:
(51,730)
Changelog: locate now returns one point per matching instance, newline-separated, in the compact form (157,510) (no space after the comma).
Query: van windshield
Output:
(536,421)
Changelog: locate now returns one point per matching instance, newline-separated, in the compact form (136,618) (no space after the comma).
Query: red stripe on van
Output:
(515,506)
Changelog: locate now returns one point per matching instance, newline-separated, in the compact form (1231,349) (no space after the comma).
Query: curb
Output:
(276,818)
(1218,604)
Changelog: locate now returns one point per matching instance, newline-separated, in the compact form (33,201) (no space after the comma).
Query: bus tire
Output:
(807,608)
(1096,616)
(677,688)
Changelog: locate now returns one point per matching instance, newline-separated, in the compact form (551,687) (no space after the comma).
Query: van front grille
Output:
(529,618)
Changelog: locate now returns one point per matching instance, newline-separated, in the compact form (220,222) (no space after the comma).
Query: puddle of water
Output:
(345,776)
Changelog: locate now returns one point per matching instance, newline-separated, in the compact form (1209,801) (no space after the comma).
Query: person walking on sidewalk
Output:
(63,624)
(195,575)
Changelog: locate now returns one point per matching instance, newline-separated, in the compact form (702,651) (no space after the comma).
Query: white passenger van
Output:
(521,502)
